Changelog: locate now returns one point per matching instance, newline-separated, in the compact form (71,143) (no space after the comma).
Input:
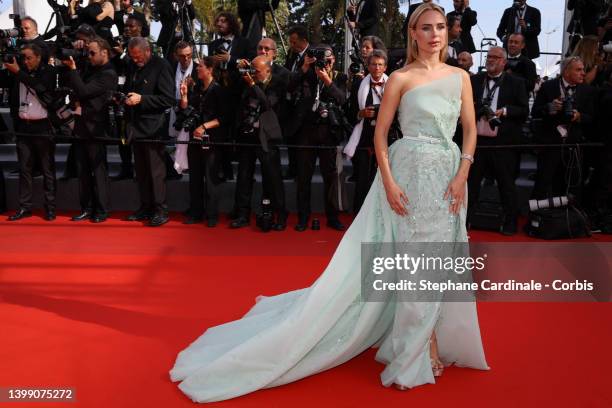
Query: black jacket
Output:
(93,89)
(367,24)
(154,82)
(546,124)
(512,95)
(525,68)
(212,103)
(268,97)
(468,20)
(532,20)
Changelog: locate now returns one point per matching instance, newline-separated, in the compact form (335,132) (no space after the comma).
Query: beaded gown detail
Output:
(287,337)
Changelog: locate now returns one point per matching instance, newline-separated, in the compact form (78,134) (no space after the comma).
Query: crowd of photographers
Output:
(238,104)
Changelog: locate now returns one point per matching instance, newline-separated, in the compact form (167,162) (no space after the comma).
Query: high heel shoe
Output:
(437,367)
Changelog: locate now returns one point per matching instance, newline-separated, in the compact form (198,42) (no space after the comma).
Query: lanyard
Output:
(375,90)
(491,91)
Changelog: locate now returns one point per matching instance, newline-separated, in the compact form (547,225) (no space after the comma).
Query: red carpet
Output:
(105,308)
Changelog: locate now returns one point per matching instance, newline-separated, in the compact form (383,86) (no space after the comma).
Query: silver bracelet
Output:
(468,157)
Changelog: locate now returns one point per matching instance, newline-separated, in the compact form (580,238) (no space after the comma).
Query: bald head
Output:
(464,59)
(263,68)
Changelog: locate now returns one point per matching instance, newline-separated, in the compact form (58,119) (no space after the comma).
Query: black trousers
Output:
(501,163)
(125,153)
(271,174)
(31,150)
(364,170)
(2,190)
(315,135)
(204,182)
(94,190)
(151,176)
(558,172)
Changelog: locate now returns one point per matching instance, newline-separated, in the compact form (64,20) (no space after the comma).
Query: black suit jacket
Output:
(367,24)
(525,68)
(468,20)
(155,83)
(93,89)
(532,19)
(546,124)
(137,15)
(512,95)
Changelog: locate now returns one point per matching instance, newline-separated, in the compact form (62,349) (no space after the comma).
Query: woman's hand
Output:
(184,89)
(455,193)
(397,199)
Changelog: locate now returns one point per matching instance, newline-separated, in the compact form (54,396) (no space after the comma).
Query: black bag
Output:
(488,216)
(558,223)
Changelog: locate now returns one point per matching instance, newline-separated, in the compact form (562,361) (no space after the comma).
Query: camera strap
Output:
(490,92)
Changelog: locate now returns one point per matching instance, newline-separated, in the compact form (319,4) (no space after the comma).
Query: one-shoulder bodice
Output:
(432,109)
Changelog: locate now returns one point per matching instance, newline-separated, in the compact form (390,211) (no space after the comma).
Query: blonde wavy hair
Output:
(413,48)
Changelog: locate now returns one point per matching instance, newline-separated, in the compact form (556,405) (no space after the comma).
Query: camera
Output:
(10,40)
(265,219)
(328,111)
(356,65)
(244,71)
(249,116)
(489,114)
(319,54)
(118,41)
(187,119)
(567,108)
(75,53)
(551,202)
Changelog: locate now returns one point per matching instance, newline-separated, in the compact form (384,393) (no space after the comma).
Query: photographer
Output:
(363,106)
(35,80)
(465,61)
(31,36)
(176,17)
(468,18)
(584,16)
(524,19)
(258,123)
(366,46)
(563,106)
(227,50)
(455,46)
(518,64)
(363,17)
(502,106)
(132,28)
(127,10)
(298,45)
(323,91)
(99,14)
(150,92)
(92,87)
(204,107)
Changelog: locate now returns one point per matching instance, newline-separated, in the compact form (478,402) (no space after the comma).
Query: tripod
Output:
(257,25)
(183,23)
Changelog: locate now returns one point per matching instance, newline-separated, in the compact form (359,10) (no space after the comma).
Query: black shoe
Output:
(336,224)
(240,222)
(212,222)
(98,218)
(281,223)
(510,226)
(49,215)
(21,213)
(140,215)
(84,215)
(192,220)
(288,176)
(158,219)
(302,224)
(123,175)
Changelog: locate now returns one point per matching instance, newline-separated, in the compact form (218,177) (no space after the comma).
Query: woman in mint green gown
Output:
(418,196)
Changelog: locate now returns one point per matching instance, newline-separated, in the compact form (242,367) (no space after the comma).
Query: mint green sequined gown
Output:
(293,335)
